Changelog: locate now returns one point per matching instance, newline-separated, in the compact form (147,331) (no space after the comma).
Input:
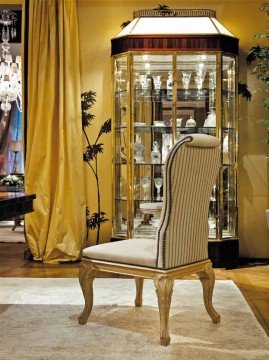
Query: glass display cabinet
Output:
(174,73)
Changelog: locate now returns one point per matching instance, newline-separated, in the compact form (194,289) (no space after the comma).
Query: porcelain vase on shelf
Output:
(210,121)
(191,122)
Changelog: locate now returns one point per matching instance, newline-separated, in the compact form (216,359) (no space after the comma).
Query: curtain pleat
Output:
(56,230)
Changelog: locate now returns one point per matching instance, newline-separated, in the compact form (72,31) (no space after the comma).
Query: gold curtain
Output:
(56,230)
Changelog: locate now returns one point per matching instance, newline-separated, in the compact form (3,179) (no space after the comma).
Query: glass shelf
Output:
(152,199)
(140,164)
(162,128)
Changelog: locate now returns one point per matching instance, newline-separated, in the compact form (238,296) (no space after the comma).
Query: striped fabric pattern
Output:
(190,173)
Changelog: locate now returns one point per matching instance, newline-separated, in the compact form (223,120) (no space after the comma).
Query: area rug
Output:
(7,235)
(38,320)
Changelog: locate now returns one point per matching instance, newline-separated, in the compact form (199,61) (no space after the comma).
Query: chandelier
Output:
(10,72)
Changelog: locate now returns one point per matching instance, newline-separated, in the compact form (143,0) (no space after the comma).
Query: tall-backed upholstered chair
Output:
(180,247)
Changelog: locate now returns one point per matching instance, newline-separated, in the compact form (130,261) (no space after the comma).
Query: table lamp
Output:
(15,147)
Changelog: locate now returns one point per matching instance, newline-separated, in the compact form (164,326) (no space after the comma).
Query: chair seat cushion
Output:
(139,252)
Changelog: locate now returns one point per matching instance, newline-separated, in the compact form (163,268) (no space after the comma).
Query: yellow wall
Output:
(100,20)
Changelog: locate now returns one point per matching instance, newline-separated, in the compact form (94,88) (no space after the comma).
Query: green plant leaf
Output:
(259,57)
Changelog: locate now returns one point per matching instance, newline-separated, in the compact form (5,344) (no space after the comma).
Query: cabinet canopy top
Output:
(175,29)
(178,25)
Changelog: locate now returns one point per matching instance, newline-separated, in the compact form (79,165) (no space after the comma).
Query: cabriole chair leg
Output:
(164,290)
(207,278)
(86,276)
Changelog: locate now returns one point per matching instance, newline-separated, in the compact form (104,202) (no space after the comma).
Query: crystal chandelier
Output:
(10,72)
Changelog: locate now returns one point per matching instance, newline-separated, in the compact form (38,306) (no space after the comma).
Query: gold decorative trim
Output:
(174,13)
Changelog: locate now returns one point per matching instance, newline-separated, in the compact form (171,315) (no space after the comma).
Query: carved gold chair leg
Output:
(87,274)
(139,291)
(164,290)
(207,278)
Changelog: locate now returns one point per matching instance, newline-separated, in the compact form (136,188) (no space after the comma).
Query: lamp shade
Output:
(15,145)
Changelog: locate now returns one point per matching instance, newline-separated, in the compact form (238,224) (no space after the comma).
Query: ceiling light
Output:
(10,72)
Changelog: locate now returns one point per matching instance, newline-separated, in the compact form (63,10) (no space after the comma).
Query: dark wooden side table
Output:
(14,204)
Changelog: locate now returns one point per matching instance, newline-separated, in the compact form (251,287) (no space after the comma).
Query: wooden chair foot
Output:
(207,278)
(87,274)
(165,341)
(164,290)
(139,291)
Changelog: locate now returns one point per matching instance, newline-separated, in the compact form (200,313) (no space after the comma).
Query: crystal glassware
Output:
(212,80)
(143,81)
(138,150)
(158,184)
(212,87)
(139,216)
(186,78)
(137,83)
(199,79)
(145,182)
(155,154)
(157,82)
(166,145)
(169,84)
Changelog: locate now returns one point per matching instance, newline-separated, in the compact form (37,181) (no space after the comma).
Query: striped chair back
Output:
(190,172)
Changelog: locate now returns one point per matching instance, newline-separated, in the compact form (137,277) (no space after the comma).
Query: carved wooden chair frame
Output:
(163,280)
(163,273)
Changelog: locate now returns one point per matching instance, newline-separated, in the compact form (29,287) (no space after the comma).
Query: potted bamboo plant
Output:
(258,57)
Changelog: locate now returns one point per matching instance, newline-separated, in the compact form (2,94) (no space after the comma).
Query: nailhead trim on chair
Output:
(168,204)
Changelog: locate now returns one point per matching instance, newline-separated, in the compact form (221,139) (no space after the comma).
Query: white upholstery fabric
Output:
(190,172)
(132,251)
(202,140)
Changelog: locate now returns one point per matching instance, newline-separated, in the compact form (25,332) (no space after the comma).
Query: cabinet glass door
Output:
(228,213)
(152,137)
(120,210)
(196,94)
(196,108)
